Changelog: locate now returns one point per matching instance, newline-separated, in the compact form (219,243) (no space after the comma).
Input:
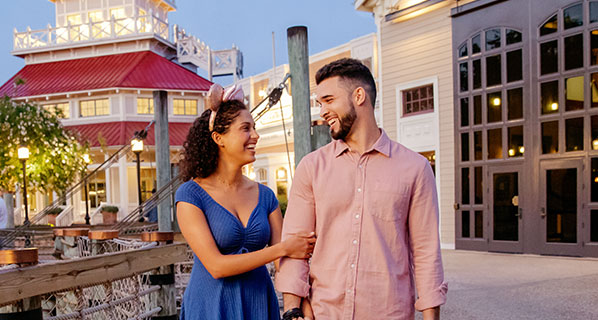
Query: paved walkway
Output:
(490,286)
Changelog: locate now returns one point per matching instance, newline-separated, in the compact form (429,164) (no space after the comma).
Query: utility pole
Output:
(299,67)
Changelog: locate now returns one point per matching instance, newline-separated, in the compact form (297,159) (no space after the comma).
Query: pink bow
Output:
(217,95)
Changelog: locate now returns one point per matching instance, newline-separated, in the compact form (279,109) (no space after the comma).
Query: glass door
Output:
(561,206)
(505,209)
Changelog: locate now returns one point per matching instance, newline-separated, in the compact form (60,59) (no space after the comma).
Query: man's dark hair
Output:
(355,73)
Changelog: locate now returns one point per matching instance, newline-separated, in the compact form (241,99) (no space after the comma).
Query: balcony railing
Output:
(91,31)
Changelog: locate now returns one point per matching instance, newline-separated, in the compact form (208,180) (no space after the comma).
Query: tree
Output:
(55,159)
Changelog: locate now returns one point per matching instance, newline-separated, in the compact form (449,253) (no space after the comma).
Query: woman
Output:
(232,224)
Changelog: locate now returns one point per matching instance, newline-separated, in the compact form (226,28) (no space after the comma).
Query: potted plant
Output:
(109,214)
(52,214)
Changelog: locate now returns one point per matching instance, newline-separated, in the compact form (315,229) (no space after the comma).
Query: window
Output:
(549,26)
(261,176)
(186,107)
(61,110)
(145,105)
(492,39)
(418,100)
(549,57)
(572,16)
(573,52)
(92,108)
(117,13)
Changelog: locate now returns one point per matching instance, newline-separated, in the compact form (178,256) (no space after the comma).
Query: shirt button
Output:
(360,166)
(348,290)
(358,189)
(354,241)
(357,216)
(352,265)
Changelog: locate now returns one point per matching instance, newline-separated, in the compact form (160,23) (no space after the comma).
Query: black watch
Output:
(292,314)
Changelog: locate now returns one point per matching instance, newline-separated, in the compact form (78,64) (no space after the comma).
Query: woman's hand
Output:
(299,245)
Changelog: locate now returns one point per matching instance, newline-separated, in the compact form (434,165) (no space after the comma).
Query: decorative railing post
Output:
(165,298)
(99,240)
(26,308)
(66,242)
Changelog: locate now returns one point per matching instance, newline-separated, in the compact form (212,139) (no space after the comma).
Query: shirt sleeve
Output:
(272,202)
(424,242)
(300,216)
(190,193)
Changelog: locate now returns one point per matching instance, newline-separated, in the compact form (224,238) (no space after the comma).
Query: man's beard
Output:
(345,124)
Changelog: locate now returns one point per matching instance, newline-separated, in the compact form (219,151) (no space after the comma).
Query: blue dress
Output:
(246,296)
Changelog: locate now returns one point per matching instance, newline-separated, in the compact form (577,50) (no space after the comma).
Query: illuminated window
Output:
(418,100)
(97,107)
(186,107)
(118,13)
(95,16)
(74,20)
(261,176)
(145,106)
(61,110)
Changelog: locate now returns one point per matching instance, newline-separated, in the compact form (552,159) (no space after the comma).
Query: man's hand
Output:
(431,314)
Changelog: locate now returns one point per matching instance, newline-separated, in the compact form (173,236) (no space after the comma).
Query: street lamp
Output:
(137,147)
(87,161)
(23,156)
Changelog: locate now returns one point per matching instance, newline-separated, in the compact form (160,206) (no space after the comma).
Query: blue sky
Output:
(247,24)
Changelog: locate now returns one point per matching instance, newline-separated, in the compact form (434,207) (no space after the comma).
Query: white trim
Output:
(66,94)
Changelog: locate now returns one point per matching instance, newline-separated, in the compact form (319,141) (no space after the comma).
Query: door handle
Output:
(543,213)
(519,213)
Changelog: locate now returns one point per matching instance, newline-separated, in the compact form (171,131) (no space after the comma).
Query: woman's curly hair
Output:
(200,155)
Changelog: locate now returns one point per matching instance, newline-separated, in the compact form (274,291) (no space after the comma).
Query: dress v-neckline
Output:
(229,213)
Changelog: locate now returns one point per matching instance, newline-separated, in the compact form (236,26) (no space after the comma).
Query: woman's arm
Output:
(196,231)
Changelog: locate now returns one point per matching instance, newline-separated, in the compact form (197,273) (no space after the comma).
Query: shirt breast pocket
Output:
(390,201)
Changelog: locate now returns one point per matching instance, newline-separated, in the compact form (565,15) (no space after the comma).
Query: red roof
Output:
(139,70)
(119,133)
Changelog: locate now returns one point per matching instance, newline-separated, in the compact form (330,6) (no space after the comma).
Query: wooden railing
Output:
(104,286)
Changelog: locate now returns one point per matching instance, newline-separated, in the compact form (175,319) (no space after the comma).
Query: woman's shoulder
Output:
(188,189)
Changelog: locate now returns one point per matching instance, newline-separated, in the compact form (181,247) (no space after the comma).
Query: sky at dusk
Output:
(247,24)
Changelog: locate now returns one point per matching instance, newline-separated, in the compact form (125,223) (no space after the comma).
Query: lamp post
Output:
(23,156)
(137,147)
(87,161)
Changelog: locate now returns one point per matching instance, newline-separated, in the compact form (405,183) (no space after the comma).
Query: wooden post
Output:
(10,219)
(299,67)
(162,156)
(68,239)
(98,240)
(320,135)
(164,277)
(26,308)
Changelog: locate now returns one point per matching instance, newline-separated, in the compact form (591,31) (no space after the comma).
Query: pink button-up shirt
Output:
(376,219)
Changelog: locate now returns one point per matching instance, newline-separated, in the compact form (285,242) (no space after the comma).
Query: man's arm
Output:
(293,278)
(425,245)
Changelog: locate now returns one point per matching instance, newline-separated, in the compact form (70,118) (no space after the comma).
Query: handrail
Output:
(26,282)
(91,31)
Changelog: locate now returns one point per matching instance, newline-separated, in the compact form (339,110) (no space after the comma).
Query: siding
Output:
(412,50)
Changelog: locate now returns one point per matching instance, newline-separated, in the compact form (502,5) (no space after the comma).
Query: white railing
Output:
(66,217)
(91,31)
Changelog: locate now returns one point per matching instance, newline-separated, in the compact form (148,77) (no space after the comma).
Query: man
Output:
(373,205)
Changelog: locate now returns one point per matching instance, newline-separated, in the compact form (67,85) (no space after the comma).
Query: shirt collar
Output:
(381,145)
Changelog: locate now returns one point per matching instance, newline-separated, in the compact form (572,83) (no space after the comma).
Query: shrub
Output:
(112,209)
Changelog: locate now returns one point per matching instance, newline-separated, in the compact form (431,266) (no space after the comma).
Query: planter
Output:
(52,218)
(109,217)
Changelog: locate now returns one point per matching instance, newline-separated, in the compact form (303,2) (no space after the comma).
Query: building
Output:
(514,93)
(526,126)
(99,67)
(275,163)
(416,88)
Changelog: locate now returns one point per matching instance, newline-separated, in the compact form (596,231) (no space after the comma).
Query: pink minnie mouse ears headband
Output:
(217,95)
